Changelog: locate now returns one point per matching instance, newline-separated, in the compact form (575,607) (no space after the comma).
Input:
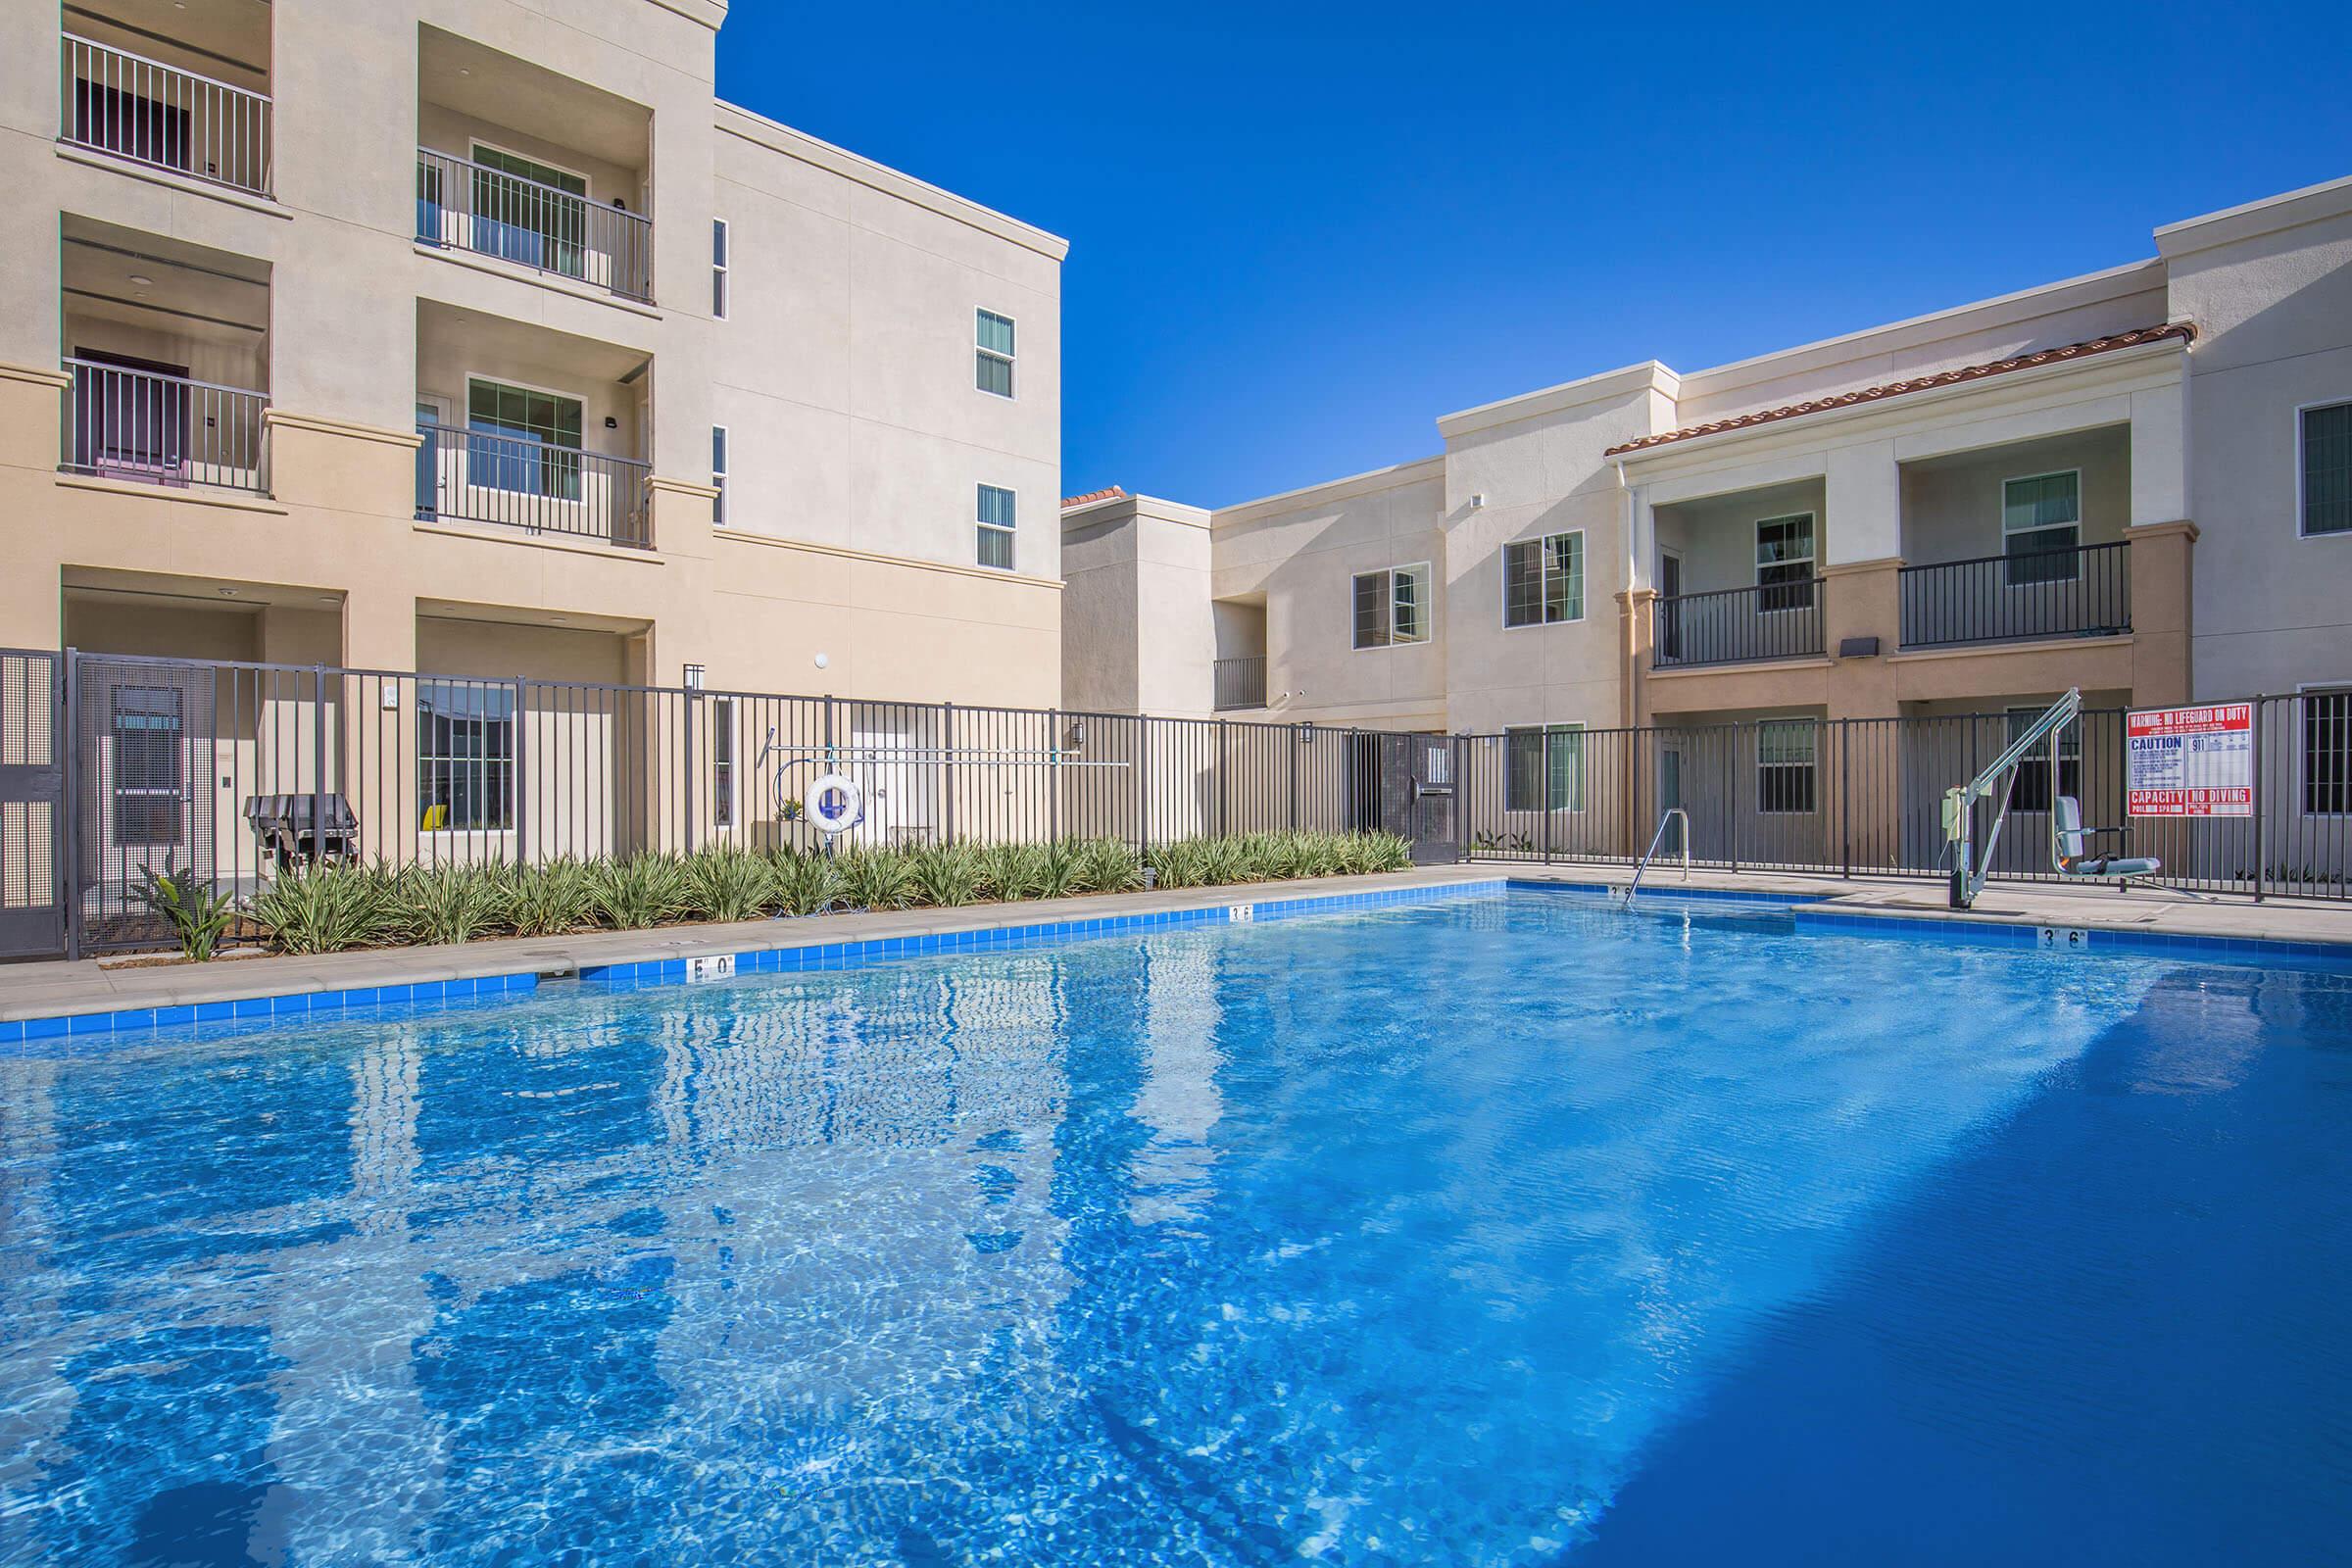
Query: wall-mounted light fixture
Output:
(1478,499)
(694,677)
(1077,734)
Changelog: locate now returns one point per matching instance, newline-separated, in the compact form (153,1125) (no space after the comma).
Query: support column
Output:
(2163,592)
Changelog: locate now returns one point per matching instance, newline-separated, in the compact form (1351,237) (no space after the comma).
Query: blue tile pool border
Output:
(1811,915)
(995,939)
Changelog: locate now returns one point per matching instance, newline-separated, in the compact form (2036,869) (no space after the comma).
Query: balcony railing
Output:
(466,206)
(1740,625)
(1240,683)
(2031,595)
(132,107)
(126,424)
(487,477)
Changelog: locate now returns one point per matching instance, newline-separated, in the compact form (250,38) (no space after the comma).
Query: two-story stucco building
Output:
(477,336)
(2136,482)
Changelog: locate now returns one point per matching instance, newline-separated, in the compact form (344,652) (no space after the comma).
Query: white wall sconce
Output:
(694,677)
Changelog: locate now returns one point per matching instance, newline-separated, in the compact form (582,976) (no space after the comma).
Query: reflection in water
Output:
(1206,1247)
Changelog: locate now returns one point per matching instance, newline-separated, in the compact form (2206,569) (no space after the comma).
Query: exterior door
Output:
(32,822)
(1669,611)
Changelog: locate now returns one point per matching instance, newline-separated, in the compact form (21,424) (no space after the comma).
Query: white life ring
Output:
(836,804)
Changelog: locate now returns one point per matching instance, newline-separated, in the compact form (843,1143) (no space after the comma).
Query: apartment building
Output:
(476,336)
(2136,482)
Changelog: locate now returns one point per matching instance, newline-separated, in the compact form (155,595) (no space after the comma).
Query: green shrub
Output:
(877,879)
(1014,872)
(948,876)
(728,884)
(806,884)
(550,900)
(644,890)
(197,910)
(446,903)
(326,908)
(1058,871)
(1108,865)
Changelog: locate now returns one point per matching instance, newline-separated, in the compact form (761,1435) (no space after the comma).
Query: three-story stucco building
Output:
(477,336)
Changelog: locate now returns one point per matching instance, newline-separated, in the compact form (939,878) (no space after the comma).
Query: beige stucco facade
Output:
(2097,483)
(302,268)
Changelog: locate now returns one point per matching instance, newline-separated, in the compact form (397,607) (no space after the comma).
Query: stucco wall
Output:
(1952,505)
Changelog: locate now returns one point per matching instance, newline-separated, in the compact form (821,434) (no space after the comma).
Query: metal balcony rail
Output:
(128,106)
(1240,683)
(522,482)
(1740,625)
(2079,592)
(124,424)
(466,206)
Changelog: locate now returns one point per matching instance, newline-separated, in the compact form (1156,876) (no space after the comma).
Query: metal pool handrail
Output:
(1670,814)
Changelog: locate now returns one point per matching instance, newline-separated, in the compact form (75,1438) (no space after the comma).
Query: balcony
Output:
(145,111)
(1240,683)
(2023,596)
(468,206)
(1740,625)
(127,424)
(521,482)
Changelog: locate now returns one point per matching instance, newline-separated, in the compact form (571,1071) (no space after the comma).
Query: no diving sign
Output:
(2191,762)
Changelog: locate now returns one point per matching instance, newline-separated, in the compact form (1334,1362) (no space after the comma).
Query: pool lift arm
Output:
(1969,870)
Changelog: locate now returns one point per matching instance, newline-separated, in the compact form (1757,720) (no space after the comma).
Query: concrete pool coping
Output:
(2149,918)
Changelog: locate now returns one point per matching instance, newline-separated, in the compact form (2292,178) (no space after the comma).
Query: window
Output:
(2327,469)
(1785,765)
(522,440)
(722,761)
(1544,767)
(718,269)
(1392,606)
(719,474)
(2029,785)
(995,527)
(1785,563)
(528,211)
(149,764)
(992,337)
(465,755)
(2328,753)
(1543,580)
(2041,527)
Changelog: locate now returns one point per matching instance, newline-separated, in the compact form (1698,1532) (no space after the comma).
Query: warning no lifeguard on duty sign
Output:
(2191,762)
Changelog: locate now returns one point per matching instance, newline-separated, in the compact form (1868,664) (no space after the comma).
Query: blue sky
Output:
(1301,233)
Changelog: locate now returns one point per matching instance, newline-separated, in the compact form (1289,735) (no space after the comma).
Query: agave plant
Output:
(806,884)
(325,908)
(878,879)
(441,904)
(1058,871)
(946,876)
(551,899)
(641,891)
(1108,865)
(197,910)
(1014,871)
(728,884)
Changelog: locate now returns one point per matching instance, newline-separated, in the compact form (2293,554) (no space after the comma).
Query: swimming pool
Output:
(1510,1229)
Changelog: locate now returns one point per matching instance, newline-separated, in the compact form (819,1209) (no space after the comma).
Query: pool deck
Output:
(59,989)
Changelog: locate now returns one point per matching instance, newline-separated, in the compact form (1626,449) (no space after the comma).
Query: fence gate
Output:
(1432,775)
(32,793)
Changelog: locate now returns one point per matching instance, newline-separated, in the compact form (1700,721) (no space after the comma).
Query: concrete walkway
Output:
(50,990)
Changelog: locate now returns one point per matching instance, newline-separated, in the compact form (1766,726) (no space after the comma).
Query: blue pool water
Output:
(1506,1230)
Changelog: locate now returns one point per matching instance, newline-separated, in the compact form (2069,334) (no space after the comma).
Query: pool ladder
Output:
(1655,839)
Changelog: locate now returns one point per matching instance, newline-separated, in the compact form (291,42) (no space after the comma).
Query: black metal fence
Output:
(1240,683)
(1864,796)
(1740,625)
(2083,592)
(240,770)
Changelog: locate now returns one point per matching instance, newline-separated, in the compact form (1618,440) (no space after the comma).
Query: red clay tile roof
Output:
(1113,493)
(2183,330)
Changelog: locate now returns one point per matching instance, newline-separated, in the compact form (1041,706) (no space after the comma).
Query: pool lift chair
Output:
(2067,835)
